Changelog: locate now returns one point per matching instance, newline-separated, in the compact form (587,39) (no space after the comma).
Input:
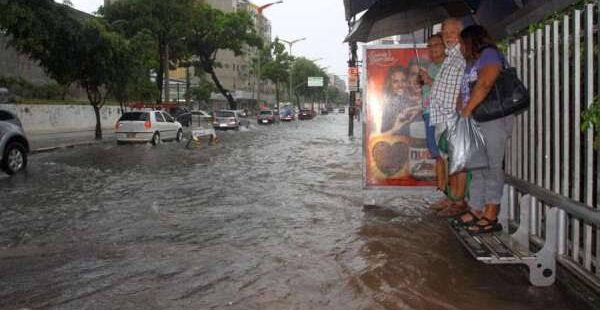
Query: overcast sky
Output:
(320,21)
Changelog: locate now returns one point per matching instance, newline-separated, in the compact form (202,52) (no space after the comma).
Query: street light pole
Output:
(290,44)
(259,10)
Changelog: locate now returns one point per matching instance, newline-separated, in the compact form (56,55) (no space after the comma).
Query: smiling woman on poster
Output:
(399,107)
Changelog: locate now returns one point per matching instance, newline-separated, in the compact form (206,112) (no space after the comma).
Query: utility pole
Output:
(290,44)
(352,100)
(259,10)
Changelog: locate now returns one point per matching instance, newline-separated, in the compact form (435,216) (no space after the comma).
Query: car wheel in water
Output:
(14,158)
(155,138)
(179,136)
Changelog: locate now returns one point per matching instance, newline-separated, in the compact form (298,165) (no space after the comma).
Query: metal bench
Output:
(514,248)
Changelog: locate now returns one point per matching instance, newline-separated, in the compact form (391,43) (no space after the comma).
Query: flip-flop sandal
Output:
(490,226)
(458,222)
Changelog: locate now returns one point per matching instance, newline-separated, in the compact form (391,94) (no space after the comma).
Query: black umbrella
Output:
(392,17)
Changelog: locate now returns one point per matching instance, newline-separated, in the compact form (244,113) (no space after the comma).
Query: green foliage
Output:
(590,118)
(277,65)
(213,30)
(303,69)
(163,26)
(203,91)
(25,89)
(45,31)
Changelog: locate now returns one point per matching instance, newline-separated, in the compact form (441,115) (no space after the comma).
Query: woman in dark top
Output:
(484,64)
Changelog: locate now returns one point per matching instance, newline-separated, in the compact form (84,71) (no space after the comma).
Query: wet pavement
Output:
(270,218)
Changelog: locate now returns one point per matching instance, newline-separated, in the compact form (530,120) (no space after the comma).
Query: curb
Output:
(67,146)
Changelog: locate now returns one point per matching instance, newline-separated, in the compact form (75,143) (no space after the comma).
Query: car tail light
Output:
(117,125)
(148,124)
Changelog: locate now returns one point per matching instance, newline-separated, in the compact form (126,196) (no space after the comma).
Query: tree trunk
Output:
(160,73)
(65,90)
(98,122)
(225,92)
(277,95)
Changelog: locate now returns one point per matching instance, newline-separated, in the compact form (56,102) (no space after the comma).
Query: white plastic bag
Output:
(466,146)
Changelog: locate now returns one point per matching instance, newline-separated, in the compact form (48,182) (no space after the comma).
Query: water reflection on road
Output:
(270,218)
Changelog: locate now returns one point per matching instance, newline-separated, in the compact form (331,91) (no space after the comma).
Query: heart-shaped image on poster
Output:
(390,158)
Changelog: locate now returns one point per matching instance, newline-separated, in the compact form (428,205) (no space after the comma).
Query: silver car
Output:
(230,119)
(148,126)
(14,146)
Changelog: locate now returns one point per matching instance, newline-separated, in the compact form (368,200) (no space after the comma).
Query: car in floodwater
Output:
(267,117)
(14,145)
(306,114)
(287,115)
(342,110)
(230,119)
(148,126)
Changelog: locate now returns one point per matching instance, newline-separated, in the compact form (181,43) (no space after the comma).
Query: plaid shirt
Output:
(446,86)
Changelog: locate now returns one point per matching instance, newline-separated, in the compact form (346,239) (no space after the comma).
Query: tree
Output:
(213,30)
(277,67)
(202,92)
(303,69)
(68,48)
(133,82)
(166,22)
(45,32)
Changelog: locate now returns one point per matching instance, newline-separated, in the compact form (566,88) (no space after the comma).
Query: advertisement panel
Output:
(395,147)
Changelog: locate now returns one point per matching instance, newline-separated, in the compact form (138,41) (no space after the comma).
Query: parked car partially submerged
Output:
(148,126)
(267,117)
(287,115)
(14,146)
(182,115)
(306,114)
(230,119)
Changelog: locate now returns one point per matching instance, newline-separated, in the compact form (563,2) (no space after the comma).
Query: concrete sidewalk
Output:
(45,142)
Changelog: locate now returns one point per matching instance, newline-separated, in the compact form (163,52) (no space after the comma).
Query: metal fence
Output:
(559,64)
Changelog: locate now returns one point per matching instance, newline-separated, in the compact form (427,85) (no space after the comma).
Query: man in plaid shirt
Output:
(444,97)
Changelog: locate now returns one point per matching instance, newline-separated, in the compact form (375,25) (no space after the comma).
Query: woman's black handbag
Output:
(508,96)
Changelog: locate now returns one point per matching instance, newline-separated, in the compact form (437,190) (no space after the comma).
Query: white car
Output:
(148,126)
(230,119)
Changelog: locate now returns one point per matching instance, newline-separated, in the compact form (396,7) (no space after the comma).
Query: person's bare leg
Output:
(440,173)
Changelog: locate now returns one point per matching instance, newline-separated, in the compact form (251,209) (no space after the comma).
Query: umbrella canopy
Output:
(388,19)
(392,17)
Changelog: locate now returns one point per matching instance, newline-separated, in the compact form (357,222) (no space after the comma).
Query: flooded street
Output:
(270,218)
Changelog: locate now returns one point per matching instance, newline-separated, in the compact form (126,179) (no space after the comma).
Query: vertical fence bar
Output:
(525,126)
(531,147)
(519,123)
(514,141)
(547,107)
(565,113)
(576,127)
(539,159)
(546,124)
(562,215)
(598,161)
(589,152)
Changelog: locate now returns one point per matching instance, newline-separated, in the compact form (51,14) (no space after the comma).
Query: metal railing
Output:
(548,156)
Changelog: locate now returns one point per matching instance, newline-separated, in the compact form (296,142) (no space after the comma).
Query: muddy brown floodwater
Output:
(271,218)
